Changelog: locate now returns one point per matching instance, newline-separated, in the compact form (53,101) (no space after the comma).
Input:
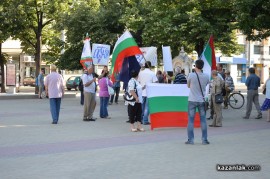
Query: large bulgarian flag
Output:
(209,57)
(86,57)
(168,105)
(124,47)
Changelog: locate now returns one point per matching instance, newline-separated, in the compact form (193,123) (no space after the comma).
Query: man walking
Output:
(54,86)
(146,76)
(253,82)
(197,82)
(89,94)
(40,83)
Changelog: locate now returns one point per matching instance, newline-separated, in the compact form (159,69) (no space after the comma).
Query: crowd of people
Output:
(138,110)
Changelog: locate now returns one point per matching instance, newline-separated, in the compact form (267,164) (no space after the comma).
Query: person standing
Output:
(40,83)
(217,85)
(253,82)
(180,77)
(89,94)
(146,76)
(197,82)
(266,104)
(55,89)
(116,87)
(160,77)
(135,108)
(104,95)
(229,87)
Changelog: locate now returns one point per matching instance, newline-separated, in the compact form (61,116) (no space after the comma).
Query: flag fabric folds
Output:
(125,47)
(86,58)
(209,57)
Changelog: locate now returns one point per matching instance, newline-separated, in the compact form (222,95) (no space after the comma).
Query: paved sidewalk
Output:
(31,147)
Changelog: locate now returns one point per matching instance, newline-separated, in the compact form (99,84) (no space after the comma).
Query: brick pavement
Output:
(31,147)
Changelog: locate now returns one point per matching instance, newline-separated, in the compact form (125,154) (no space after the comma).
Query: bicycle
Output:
(236,100)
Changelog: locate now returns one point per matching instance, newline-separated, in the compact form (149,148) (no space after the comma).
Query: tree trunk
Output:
(199,47)
(3,81)
(38,58)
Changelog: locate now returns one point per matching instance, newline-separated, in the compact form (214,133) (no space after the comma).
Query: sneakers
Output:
(205,142)
(258,117)
(189,142)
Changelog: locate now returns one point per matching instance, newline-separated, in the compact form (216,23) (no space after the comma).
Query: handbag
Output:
(129,97)
(218,97)
(205,103)
(110,89)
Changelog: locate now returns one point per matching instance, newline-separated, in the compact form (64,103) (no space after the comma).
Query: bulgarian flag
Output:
(124,47)
(86,58)
(168,105)
(209,57)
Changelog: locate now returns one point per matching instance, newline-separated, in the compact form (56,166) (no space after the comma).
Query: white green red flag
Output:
(209,57)
(124,47)
(86,58)
(168,105)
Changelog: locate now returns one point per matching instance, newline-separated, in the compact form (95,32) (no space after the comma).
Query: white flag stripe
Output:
(156,89)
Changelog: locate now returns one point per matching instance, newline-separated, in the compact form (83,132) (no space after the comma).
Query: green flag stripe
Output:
(168,104)
(208,54)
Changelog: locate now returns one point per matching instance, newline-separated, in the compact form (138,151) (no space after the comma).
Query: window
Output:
(257,49)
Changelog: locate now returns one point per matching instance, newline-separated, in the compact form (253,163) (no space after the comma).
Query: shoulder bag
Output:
(205,103)
(128,97)
(110,89)
(218,97)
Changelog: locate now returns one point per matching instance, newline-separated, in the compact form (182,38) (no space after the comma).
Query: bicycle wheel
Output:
(236,100)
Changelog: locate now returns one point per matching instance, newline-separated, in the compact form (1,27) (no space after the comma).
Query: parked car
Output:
(73,82)
(29,81)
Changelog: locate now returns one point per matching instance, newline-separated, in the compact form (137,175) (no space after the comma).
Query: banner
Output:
(149,54)
(167,58)
(86,58)
(101,54)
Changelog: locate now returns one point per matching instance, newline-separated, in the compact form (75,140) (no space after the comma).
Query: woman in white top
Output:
(266,103)
(135,108)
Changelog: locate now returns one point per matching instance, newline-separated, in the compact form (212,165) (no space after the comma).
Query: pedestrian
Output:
(229,87)
(55,89)
(217,85)
(197,82)
(220,71)
(253,82)
(40,83)
(180,77)
(116,87)
(160,77)
(89,94)
(104,95)
(266,104)
(135,108)
(146,76)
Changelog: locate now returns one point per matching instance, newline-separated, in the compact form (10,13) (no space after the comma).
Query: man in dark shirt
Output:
(253,83)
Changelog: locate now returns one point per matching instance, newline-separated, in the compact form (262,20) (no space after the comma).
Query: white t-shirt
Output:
(146,76)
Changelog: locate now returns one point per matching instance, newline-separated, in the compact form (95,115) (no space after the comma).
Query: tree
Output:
(4,35)
(33,20)
(189,24)
(252,18)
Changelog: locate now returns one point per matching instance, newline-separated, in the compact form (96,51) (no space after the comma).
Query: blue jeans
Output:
(103,107)
(191,114)
(145,110)
(55,108)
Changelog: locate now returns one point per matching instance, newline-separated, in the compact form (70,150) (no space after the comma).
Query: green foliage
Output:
(252,18)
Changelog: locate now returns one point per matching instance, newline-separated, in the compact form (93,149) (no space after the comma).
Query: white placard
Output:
(167,58)
(101,54)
